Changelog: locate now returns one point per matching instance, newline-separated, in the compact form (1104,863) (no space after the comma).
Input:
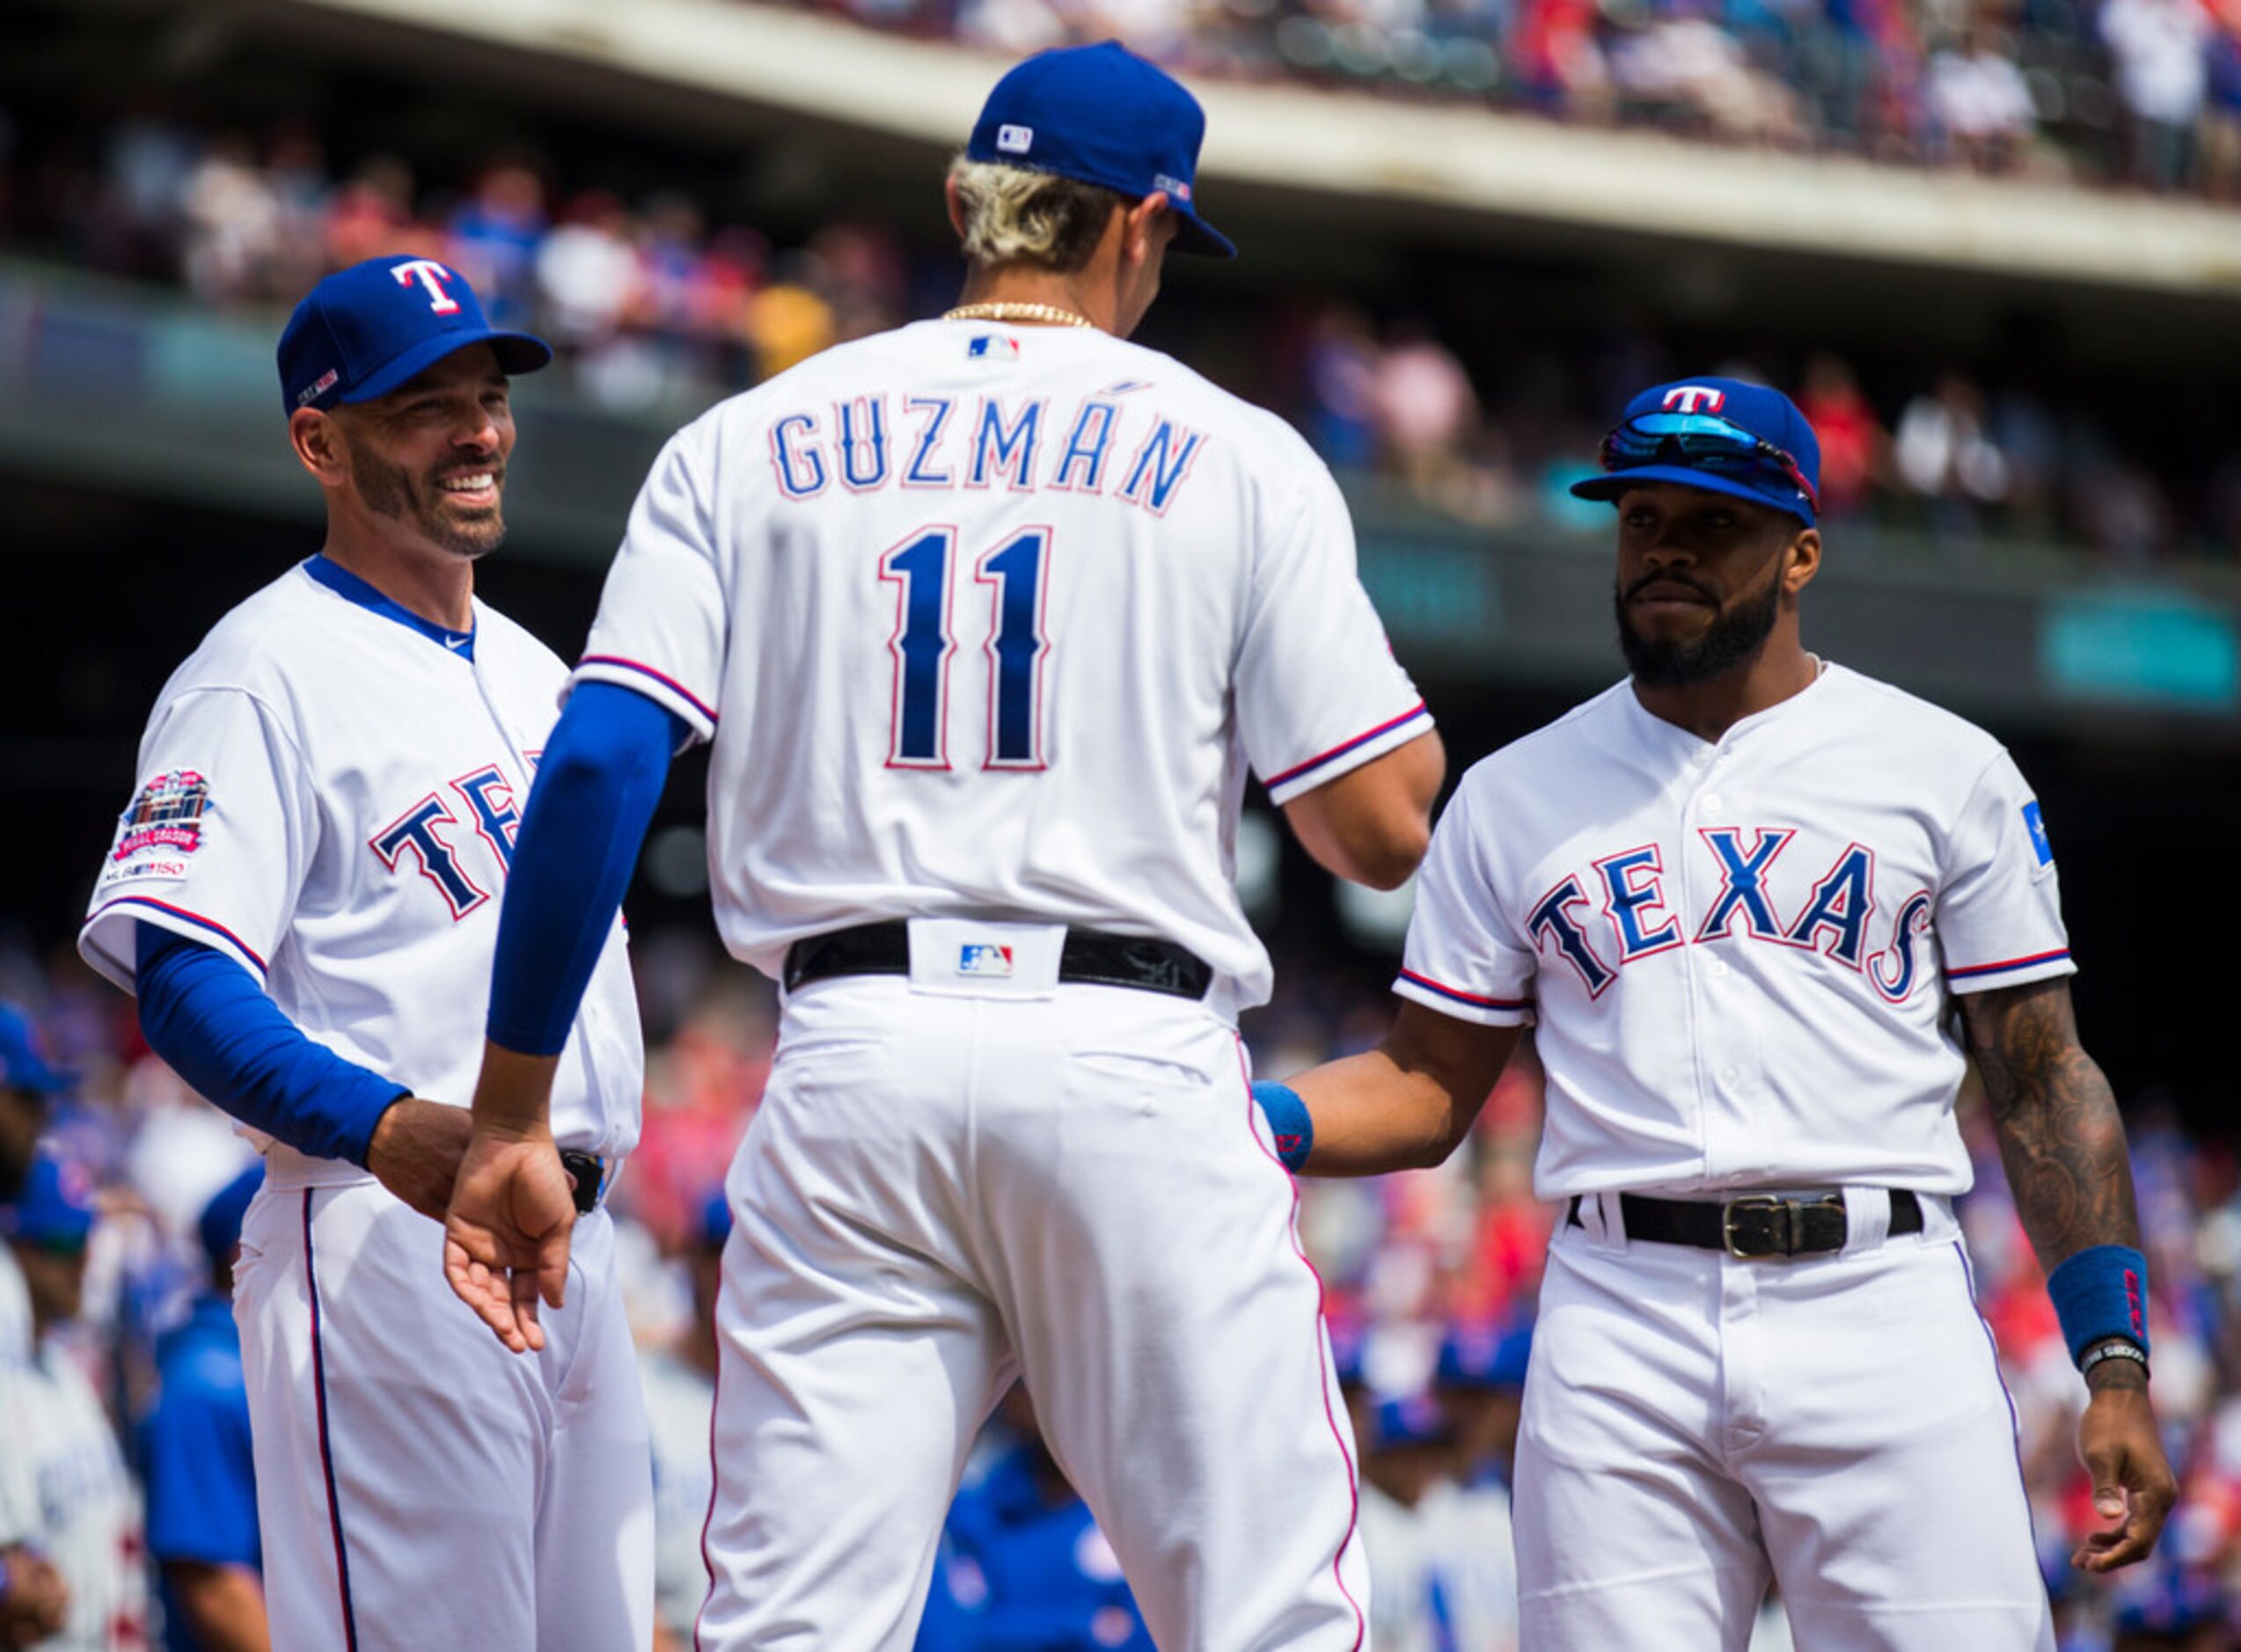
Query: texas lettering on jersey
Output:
(427,837)
(1628,892)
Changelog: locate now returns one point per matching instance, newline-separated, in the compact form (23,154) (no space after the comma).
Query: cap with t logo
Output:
(366,330)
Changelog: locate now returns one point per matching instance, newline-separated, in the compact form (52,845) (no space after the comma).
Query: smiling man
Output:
(1760,909)
(304,893)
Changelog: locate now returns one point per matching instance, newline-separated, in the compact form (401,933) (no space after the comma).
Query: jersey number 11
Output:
(924,643)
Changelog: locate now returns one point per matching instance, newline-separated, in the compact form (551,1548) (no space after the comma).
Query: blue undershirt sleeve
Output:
(597,787)
(207,1016)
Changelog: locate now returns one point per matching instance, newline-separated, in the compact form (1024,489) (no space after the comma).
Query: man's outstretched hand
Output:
(506,1236)
(2133,1487)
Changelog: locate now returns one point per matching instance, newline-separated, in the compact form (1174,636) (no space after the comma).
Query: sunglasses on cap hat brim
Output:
(1699,441)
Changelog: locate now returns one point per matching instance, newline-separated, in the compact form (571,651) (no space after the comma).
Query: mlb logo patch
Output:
(984,960)
(1173,188)
(2036,825)
(1014,140)
(991,347)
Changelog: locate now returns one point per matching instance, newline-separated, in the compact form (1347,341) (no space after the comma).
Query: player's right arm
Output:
(198,890)
(1467,989)
(1330,721)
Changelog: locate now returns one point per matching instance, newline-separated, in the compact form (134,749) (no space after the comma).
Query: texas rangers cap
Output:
(22,1066)
(55,1211)
(1101,115)
(1673,433)
(364,331)
(219,1226)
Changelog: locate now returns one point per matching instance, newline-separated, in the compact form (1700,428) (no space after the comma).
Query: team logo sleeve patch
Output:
(2035,823)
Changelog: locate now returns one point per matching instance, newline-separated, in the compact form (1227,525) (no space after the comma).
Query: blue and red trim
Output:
(2059,955)
(1355,744)
(195,918)
(326,1445)
(1461,997)
(663,677)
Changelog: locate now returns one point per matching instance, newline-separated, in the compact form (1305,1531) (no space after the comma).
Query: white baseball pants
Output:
(1696,1423)
(941,1192)
(418,1486)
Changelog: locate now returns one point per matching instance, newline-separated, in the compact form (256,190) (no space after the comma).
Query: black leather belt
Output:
(1089,957)
(590,1173)
(1755,1225)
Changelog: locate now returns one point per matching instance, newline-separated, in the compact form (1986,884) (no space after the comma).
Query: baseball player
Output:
(303,891)
(201,1471)
(1760,910)
(61,1457)
(986,618)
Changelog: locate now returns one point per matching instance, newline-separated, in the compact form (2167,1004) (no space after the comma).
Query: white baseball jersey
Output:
(994,622)
(329,794)
(1741,956)
(61,1451)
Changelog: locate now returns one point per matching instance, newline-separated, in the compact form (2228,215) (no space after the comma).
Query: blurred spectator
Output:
(1945,458)
(63,1455)
(1341,371)
(2161,59)
(494,239)
(201,1476)
(1406,1454)
(1426,410)
(233,222)
(1979,100)
(1852,439)
(372,215)
(1022,1563)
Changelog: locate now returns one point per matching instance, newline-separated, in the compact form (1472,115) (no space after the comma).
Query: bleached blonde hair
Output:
(1014,214)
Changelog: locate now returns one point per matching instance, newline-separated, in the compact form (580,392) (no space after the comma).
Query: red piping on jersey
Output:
(1461,997)
(326,1449)
(2010,963)
(1322,1358)
(708,1524)
(668,682)
(1337,751)
(211,924)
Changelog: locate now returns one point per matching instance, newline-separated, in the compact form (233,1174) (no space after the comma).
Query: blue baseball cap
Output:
(55,1211)
(219,1226)
(1101,115)
(1765,413)
(364,331)
(1413,1420)
(22,1066)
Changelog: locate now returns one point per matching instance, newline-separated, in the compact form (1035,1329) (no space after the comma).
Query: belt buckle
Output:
(1788,1235)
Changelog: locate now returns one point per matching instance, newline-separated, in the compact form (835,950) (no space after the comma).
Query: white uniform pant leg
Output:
(593,1536)
(1628,1531)
(401,1452)
(1169,1327)
(856,1362)
(1888,1482)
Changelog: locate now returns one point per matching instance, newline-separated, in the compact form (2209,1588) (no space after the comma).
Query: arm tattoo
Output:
(2060,1136)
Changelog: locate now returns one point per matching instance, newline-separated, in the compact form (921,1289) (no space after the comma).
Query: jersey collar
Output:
(350,588)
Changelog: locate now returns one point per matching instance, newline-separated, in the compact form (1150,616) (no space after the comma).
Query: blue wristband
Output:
(2102,1291)
(1289,1121)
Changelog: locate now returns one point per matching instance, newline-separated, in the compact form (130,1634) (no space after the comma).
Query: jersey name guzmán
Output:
(329,794)
(989,623)
(1741,956)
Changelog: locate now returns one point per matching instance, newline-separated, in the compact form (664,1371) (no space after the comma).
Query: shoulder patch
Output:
(2035,824)
(167,814)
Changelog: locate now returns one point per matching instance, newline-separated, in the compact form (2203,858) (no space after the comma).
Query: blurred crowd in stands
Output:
(1431,1278)
(2146,91)
(657,310)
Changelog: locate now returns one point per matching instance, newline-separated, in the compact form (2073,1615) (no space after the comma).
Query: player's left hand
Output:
(506,1237)
(2133,1484)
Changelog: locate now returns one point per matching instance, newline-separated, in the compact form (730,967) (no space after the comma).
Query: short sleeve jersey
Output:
(989,623)
(329,790)
(1741,956)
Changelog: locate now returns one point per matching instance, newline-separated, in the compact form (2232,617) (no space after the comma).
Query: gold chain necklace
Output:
(1049,314)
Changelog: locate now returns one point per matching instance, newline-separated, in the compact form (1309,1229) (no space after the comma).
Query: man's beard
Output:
(1733,638)
(388,491)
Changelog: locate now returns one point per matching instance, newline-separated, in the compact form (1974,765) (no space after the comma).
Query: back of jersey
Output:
(988,623)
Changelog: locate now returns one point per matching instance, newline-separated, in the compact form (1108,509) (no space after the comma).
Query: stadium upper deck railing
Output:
(800,72)
(138,391)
